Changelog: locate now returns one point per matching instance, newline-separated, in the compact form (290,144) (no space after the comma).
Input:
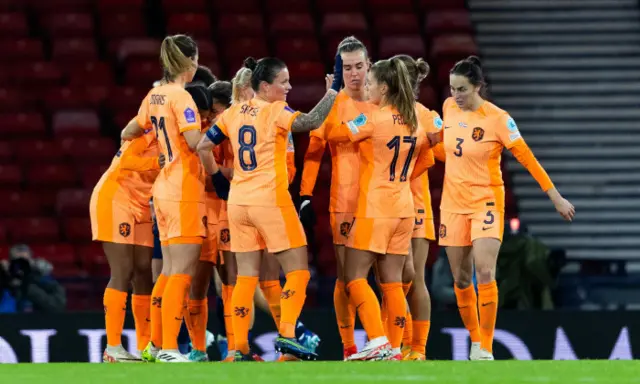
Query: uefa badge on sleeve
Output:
(190,115)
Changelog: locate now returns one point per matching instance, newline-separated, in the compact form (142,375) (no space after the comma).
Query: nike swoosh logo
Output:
(178,318)
(147,319)
(485,228)
(345,326)
(489,303)
(445,127)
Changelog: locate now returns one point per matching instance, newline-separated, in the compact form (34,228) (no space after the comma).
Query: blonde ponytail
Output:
(240,81)
(177,54)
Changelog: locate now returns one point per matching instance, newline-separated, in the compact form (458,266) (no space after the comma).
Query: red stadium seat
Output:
(344,24)
(207,52)
(61,6)
(69,24)
(91,256)
(51,176)
(12,5)
(87,150)
(73,50)
(77,229)
(91,174)
(22,125)
(13,24)
(20,204)
(30,151)
(411,45)
(73,202)
(22,50)
(277,6)
(388,6)
(232,25)
(16,99)
(34,230)
(236,50)
(236,6)
(305,71)
(298,47)
(84,123)
(57,254)
(89,73)
(396,23)
(304,97)
(40,73)
(439,4)
(175,6)
(123,25)
(193,24)
(142,72)
(10,176)
(6,152)
(134,48)
(335,6)
(440,22)
(453,47)
(114,6)
(123,118)
(444,67)
(428,97)
(127,99)
(77,97)
(288,24)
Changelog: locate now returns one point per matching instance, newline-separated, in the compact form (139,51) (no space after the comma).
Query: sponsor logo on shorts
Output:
(225,236)
(345,228)
(400,321)
(287,294)
(124,229)
(241,311)
(477,134)
(443,231)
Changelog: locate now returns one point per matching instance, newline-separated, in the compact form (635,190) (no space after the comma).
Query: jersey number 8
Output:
(247,139)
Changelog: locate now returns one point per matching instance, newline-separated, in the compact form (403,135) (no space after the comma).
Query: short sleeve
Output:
(360,128)
(186,113)
(286,116)
(507,131)
(430,120)
(142,119)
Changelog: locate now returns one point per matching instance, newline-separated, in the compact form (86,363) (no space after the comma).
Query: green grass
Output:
(441,372)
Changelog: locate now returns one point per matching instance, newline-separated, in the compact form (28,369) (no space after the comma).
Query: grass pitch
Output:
(441,372)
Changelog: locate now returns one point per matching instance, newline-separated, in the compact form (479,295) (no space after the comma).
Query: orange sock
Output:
(488,300)
(407,335)
(156,310)
(292,300)
(199,316)
(115,308)
(397,307)
(241,307)
(420,336)
(365,301)
(187,316)
(384,316)
(468,307)
(345,315)
(227,292)
(141,307)
(272,291)
(172,309)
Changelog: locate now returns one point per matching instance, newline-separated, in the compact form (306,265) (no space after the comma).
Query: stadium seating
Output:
(75,71)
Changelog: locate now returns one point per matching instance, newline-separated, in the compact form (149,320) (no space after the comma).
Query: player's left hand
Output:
(328,80)
(565,208)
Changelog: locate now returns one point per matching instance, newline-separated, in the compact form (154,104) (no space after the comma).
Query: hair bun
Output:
(423,68)
(250,63)
(475,60)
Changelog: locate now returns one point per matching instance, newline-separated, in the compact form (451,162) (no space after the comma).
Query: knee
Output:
(408,274)
(463,280)
(485,274)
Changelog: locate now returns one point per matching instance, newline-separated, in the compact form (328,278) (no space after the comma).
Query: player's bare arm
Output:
(204,148)
(309,121)
(132,130)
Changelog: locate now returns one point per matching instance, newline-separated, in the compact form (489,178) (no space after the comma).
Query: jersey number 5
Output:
(158,125)
(394,144)
(247,139)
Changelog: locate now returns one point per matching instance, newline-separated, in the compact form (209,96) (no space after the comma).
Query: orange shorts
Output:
(209,252)
(460,230)
(114,220)
(274,228)
(381,235)
(180,219)
(224,235)
(341,223)
(423,228)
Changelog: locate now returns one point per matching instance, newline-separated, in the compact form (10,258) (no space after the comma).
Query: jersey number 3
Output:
(394,144)
(247,139)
